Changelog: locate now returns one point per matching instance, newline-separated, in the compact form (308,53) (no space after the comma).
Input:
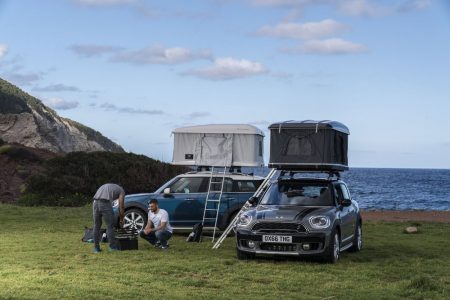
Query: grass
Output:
(41,256)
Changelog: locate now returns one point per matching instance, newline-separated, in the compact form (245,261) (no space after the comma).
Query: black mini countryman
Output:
(301,217)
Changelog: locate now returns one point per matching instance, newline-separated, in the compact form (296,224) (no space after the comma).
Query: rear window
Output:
(245,186)
(299,194)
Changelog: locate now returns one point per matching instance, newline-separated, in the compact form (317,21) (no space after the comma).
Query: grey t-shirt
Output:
(109,191)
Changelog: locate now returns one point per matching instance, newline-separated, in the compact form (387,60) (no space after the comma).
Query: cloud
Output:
(311,30)
(327,47)
(3,50)
(161,55)
(229,68)
(22,79)
(360,8)
(287,3)
(93,50)
(412,5)
(356,8)
(130,110)
(57,88)
(100,3)
(198,115)
(58,103)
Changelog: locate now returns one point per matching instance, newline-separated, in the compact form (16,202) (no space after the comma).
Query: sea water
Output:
(395,189)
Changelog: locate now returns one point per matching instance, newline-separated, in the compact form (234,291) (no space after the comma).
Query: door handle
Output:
(189,199)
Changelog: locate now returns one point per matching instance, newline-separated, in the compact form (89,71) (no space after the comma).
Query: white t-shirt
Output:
(160,216)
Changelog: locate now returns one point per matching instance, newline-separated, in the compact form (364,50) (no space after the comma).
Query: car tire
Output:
(241,255)
(332,252)
(357,239)
(134,219)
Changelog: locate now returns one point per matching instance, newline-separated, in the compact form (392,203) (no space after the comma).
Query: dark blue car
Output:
(183,197)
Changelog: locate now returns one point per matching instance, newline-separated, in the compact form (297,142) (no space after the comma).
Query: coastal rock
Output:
(27,121)
(411,230)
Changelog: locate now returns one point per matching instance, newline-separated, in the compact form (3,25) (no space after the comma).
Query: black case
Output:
(127,240)
(309,146)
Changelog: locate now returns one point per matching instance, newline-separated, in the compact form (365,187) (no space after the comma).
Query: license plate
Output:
(277,239)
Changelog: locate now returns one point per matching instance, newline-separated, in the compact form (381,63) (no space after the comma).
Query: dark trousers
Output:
(103,210)
(161,236)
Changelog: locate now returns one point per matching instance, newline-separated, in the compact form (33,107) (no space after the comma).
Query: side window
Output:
(217,184)
(188,185)
(338,193)
(245,186)
(345,192)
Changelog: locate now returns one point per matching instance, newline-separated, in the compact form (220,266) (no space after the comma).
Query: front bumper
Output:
(308,243)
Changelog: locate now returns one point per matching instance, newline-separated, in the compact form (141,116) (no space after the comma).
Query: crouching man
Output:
(158,230)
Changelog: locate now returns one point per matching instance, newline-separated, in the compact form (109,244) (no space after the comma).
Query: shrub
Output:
(53,200)
(18,154)
(81,173)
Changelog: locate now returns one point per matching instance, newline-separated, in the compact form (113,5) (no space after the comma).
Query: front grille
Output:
(278,247)
(274,227)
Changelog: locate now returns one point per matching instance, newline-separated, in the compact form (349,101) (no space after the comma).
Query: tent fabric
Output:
(238,148)
(309,146)
(221,129)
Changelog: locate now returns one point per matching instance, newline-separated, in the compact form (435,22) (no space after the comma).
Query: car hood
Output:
(288,212)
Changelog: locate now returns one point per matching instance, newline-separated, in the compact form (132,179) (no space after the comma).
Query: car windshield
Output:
(298,193)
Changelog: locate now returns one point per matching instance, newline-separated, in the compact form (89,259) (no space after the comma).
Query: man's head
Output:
(153,205)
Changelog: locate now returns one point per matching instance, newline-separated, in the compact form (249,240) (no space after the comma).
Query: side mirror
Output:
(346,202)
(253,201)
(166,192)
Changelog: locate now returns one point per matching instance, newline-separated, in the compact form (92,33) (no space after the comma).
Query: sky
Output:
(135,70)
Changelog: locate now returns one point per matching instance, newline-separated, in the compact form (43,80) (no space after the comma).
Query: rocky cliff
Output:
(27,121)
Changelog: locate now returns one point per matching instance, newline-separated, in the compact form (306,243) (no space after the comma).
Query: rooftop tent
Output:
(218,145)
(309,145)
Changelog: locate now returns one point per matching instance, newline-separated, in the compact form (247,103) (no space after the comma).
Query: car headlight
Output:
(244,220)
(115,203)
(319,222)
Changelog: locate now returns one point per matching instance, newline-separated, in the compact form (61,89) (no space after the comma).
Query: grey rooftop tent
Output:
(309,145)
(228,145)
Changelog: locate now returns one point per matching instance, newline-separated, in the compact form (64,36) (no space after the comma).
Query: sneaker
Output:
(113,249)
(165,247)
(157,244)
(96,250)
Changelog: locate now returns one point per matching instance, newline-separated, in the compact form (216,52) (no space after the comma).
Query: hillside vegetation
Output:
(38,177)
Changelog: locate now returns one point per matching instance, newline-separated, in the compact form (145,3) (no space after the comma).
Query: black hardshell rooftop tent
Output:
(309,145)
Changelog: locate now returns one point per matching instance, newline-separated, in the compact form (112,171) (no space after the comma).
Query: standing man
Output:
(158,230)
(102,208)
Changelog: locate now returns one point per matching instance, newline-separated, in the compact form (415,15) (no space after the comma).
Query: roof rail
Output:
(289,174)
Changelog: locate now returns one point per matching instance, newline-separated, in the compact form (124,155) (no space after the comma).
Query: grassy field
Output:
(41,256)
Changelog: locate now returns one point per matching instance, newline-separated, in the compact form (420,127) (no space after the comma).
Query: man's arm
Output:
(121,207)
(162,225)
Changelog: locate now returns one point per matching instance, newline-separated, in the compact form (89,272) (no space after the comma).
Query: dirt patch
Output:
(406,216)
(16,165)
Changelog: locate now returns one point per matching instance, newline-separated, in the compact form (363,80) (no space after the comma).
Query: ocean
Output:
(395,189)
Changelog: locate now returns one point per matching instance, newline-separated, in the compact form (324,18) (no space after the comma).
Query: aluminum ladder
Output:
(213,204)
(260,191)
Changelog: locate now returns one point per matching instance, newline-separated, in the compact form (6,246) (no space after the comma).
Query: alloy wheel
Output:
(133,220)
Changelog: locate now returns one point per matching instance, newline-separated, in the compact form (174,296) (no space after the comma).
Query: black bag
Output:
(196,234)
(89,235)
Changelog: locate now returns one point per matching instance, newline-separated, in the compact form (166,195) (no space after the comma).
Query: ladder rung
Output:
(211,209)
(209,218)
(213,200)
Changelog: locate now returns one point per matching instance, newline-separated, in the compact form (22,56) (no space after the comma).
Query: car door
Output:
(185,202)
(352,211)
(345,215)
(227,198)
